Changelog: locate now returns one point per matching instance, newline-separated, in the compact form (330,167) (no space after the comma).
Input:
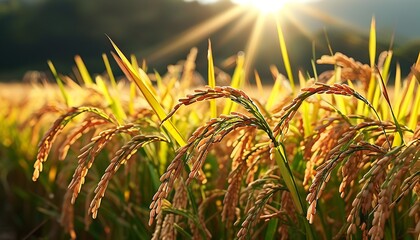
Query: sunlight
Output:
(267,6)
(254,14)
(252,46)
(195,34)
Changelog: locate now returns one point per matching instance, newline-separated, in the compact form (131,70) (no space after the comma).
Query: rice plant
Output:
(338,159)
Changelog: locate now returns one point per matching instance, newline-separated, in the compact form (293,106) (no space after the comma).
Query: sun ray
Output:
(264,6)
(252,45)
(297,23)
(247,13)
(269,6)
(195,34)
(325,17)
(238,26)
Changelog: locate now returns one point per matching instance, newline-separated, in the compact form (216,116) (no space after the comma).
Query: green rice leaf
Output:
(237,82)
(189,216)
(154,176)
(83,71)
(388,101)
(103,89)
(370,94)
(372,43)
(60,84)
(340,100)
(132,98)
(415,112)
(288,178)
(238,75)
(290,182)
(271,229)
(376,98)
(387,66)
(139,77)
(258,83)
(397,90)
(114,103)
(385,77)
(109,71)
(147,81)
(159,82)
(372,56)
(327,39)
(313,60)
(211,81)
(184,233)
(306,116)
(134,61)
(166,99)
(407,99)
(275,90)
(285,55)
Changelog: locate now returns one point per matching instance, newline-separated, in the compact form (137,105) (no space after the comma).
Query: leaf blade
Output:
(138,77)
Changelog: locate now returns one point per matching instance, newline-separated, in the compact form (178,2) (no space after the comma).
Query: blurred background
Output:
(163,32)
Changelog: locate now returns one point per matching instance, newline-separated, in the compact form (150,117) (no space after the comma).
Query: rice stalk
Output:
(200,141)
(46,142)
(122,156)
(406,159)
(268,190)
(180,201)
(350,69)
(76,133)
(290,110)
(241,156)
(88,154)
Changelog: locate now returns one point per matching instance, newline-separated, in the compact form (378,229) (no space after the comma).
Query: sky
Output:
(392,16)
(399,16)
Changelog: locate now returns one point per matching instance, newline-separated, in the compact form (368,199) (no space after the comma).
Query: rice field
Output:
(149,156)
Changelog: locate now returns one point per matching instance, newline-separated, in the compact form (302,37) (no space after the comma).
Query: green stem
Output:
(290,182)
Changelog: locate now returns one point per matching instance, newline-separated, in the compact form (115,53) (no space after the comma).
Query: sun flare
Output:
(267,6)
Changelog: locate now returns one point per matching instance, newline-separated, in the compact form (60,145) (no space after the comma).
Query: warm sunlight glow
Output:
(267,6)
(239,18)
